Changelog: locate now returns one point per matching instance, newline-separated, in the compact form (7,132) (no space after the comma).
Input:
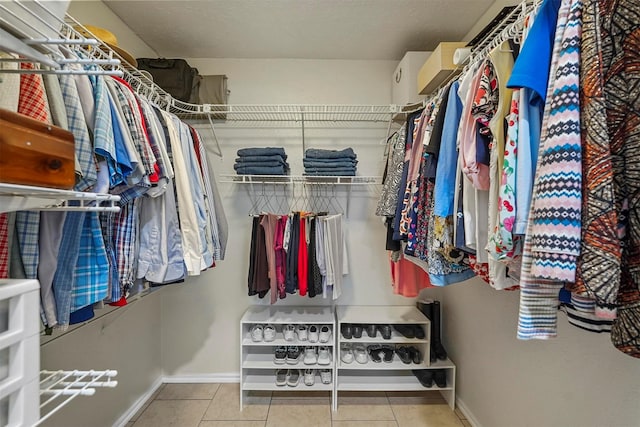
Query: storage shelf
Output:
(286,315)
(396,338)
(15,197)
(380,315)
(266,361)
(380,382)
(263,382)
(295,179)
(280,341)
(396,364)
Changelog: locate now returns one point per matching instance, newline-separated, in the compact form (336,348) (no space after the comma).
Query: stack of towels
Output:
(261,161)
(330,162)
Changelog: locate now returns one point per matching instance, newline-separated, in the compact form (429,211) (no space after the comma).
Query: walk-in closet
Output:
(382,213)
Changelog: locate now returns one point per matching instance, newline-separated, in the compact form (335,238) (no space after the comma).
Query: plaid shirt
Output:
(125,226)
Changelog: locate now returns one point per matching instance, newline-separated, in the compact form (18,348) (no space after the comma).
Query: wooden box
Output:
(35,153)
(438,67)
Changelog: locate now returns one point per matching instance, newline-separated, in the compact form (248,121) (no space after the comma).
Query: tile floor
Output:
(217,405)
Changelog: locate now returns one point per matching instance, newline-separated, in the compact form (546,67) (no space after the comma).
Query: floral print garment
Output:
(503,244)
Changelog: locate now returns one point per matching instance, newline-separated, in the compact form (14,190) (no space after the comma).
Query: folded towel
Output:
(261,151)
(272,157)
(336,164)
(329,154)
(337,172)
(261,170)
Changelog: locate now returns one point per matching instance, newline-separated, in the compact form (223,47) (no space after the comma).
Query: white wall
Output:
(200,321)
(127,340)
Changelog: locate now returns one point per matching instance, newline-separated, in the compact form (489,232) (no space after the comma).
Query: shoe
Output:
(310,357)
(360,354)
(385,331)
(357,330)
(293,377)
(281,377)
(280,355)
(325,334)
(436,343)
(406,331)
(374,353)
(372,331)
(325,376)
(289,332)
(256,333)
(313,333)
(346,331)
(324,356)
(418,332)
(346,353)
(301,330)
(309,377)
(404,354)
(293,355)
(387,353)
(424,376)
(415,355)
(269,333)
(440,378)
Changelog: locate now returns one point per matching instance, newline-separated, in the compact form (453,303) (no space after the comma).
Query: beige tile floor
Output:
(217,405)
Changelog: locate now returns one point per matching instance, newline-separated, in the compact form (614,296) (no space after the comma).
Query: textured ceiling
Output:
(312,29)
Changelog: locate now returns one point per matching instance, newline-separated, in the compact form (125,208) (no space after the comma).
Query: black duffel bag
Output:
(175,76)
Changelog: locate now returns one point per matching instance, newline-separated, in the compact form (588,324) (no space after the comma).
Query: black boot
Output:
(436,344)
(427,309)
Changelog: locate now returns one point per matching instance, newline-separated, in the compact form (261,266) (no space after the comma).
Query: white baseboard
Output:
(230,377)
(124,418)
(467,413)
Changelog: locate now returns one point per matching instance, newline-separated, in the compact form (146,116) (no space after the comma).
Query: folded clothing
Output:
(260,164)
(261,170)
(262,151)
(261,158)
(330,160)
(315,153)
(330,172)
(335,164)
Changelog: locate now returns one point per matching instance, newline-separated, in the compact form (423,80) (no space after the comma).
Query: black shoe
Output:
(404,354)
(385,331)
(374,353)
(346,330)
(372,331)
(405,330)
(418,332)
(387,352)
(415,355)
(436,344)
(440,378)
(357,330)
(425,376)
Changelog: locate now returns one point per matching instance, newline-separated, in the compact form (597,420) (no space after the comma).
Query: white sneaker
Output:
(302,332)
(324,356)
(289,332)
(310,357)
(269,332)
(325,334)
(346,353)
(325,376)
(313,333)
(309,377)
(256,333)
(281,377)
(360,354)
(293,377)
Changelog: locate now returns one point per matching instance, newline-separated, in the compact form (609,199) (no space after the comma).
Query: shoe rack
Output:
(394,375)
(258,366)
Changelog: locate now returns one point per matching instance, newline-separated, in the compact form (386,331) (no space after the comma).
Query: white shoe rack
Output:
(257,358)
(394,375)
(258,367)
